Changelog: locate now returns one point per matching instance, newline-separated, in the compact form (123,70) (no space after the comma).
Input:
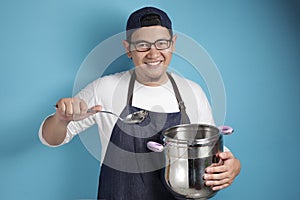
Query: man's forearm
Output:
(54,130)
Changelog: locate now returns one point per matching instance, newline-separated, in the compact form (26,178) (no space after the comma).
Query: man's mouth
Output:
(153,63)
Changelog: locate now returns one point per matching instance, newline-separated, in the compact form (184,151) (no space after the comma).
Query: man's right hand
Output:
(67,109)
(73,109)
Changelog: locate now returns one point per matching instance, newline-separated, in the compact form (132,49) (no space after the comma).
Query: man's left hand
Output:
(221,176)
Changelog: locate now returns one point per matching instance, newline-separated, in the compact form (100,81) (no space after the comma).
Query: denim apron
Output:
(130,171)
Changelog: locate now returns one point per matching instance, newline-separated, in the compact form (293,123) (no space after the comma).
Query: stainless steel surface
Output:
(189,149)
(133,118)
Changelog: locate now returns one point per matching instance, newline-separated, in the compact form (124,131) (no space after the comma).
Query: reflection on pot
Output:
(188,150)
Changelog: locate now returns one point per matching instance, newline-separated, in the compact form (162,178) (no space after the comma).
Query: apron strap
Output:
(182,108)
(130,88)
(184,117)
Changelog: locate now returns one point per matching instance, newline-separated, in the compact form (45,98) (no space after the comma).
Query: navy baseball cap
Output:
(147,16)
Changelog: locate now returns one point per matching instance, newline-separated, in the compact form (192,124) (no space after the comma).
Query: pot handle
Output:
(154,146)
(226,130)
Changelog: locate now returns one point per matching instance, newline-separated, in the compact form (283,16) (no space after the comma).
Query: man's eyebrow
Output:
(140,41)
(137,41)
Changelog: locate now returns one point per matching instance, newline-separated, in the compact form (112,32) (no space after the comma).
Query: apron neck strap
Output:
(130,88)
(184,118)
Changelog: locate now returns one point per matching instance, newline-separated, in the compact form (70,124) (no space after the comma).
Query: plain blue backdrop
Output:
(254,43)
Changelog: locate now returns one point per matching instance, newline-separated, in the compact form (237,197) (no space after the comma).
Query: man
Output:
(169,99)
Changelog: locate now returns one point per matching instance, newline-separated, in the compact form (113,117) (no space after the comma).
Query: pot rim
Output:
(194,127)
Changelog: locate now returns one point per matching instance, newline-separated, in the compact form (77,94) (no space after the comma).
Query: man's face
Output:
(151,65)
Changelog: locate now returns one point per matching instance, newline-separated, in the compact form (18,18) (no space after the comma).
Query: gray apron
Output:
(143,179)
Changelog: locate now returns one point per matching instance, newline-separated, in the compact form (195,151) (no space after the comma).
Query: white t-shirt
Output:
(111,93)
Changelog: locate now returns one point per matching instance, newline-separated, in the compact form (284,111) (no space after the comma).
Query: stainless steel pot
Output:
(188,150)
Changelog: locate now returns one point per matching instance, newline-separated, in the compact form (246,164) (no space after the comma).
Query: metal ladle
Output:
(133,118)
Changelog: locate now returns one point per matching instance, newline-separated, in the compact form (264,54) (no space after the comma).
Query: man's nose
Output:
(153,52)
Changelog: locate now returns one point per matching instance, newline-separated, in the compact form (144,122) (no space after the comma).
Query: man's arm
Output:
(54,129)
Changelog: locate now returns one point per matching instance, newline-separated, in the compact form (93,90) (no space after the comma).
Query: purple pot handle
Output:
(226,130)
(154,146)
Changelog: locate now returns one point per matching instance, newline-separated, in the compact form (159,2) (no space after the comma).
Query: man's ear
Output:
(174,38)
(127,49)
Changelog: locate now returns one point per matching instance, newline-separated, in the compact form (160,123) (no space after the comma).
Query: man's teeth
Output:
(153,63)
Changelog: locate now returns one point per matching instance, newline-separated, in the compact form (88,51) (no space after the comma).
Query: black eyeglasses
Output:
(143,46)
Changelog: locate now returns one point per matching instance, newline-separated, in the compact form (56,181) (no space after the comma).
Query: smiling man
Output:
(126,170)
(151,51)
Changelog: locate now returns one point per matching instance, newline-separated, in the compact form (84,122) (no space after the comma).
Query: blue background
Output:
(255,45)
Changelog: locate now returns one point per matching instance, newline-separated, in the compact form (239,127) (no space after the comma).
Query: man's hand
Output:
(67,109)
(221,176)
(73,109)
